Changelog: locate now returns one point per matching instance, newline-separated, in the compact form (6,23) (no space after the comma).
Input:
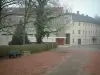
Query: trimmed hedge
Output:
(3,51)
(32,48)
(51,45)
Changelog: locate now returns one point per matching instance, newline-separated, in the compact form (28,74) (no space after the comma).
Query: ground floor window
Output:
(79,41)
(73,40)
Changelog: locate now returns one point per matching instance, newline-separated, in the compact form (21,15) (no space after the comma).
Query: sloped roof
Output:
(82,18)
(20,11)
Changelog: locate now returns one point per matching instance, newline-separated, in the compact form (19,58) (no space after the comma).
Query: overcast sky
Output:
(87,7)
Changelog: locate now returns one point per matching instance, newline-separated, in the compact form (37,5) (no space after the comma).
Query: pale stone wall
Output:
(87,31)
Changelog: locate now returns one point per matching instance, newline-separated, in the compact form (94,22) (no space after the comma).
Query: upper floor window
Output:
(73,23)
(92,25)
(10,10)
(89,32)
(83,31)
(30,34)
(83,40)
(4,34)
(79,23)
(85,25)
(79,31)
(93,32)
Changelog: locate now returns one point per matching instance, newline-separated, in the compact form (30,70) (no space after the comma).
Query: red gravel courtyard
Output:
(35,64)
(93,67)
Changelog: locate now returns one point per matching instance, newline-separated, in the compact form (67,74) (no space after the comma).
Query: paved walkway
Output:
(64,45)
(83,61)
(74,65)
(93,66)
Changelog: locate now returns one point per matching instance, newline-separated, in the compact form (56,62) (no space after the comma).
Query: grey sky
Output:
(87,7)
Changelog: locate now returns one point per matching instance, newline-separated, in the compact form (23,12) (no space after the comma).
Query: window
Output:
(73,40)
(73,31)
(73,23)
(4,34)
(9,10)
(79,23)
(83,40)
(19,16)
(83,31)
(10,34)
(7,34)
(79,31)
(93,32)
(30,34)
(89,32)
(83,23)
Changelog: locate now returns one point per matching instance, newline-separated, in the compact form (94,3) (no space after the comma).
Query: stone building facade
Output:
(76,29)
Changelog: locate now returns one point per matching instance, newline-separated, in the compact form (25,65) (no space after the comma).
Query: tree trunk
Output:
(39,40)
(39,37)
(39,25)
(24,34)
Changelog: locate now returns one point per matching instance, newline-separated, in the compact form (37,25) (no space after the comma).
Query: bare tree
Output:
(28,6)
(4,4)
(42,11)
(6,19)
(44,15)
(17,38)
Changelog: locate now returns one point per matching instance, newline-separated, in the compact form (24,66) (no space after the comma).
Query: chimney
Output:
(78,12)
(87,15)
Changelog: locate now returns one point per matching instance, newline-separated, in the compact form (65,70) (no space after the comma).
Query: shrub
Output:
(32,48)
(51,45)
(17,38)
(3,51)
